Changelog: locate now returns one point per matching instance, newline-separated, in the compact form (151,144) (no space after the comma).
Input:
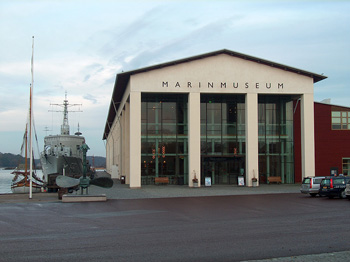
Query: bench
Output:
(274,179)
(161,180)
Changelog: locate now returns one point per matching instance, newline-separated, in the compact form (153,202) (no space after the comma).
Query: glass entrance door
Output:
(222,170)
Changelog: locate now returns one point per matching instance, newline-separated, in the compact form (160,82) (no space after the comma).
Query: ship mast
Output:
(65,125)
(65,105)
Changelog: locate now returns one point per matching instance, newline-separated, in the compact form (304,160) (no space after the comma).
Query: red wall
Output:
(330,145)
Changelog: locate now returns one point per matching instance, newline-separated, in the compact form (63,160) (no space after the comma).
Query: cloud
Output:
(90,98)
(173,48)
(87,77)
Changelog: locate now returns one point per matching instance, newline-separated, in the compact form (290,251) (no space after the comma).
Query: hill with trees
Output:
(10,160)
(97,161)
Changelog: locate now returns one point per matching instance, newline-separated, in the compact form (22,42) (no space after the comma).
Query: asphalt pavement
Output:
(116,216)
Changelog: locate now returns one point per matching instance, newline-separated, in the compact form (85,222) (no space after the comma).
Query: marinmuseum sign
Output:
(222,85)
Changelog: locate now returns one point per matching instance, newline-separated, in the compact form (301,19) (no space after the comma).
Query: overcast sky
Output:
(80,46)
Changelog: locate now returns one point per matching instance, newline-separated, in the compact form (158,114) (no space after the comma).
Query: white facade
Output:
(222,72)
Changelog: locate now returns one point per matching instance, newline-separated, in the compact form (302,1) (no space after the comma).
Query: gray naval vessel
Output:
(62,153)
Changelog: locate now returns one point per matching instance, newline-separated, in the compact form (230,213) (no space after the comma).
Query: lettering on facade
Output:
(223,85)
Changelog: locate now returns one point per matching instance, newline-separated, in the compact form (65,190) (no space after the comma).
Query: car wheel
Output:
(343,194)
(313,194)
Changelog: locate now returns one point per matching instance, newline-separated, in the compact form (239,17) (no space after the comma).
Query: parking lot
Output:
(209,228)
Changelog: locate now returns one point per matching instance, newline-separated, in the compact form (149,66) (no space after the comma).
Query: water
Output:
(6,179)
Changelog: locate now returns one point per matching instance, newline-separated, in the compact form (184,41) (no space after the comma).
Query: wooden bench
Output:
(161,180)
(274,179)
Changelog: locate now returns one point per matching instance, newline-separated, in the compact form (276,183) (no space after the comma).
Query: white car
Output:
(311,185)
(347,190)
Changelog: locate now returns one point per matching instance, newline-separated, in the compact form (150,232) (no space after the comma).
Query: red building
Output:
(332,140)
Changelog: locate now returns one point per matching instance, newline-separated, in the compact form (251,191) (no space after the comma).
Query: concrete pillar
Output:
(251,138)
(194,137)
(126,146)
(307,135)
(135,140)
(108,155)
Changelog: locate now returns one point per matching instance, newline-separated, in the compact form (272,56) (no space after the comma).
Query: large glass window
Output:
(222,137)
(222,124)
(276,153)
(164,150)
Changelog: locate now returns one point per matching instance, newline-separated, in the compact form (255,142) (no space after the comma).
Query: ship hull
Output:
(21,185)
(25,189)
(56,164)
(53,166)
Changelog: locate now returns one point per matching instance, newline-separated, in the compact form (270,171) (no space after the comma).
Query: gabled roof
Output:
(122,79)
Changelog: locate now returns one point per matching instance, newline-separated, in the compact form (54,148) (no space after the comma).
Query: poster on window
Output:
(240,181)
(207,181)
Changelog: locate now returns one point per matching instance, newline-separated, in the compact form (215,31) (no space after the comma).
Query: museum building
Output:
(220,115)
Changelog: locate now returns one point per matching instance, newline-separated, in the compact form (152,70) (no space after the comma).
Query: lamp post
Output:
(84,181)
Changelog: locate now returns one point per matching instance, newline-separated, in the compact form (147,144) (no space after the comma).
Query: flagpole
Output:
(31,125)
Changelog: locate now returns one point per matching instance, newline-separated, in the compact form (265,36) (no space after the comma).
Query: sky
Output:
(81,45)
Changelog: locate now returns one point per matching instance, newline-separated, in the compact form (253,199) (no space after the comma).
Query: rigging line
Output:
(24,139)
(36,137)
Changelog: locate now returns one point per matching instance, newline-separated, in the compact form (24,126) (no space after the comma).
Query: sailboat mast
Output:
(26,155)
(31,124)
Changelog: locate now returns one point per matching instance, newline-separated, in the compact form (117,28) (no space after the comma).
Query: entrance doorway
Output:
(223,170)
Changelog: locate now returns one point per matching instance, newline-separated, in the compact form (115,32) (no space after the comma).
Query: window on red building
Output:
(346,166)
(340,120)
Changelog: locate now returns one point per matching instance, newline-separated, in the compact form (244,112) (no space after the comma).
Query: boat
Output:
(21,182)
(26,181)
(62,154)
